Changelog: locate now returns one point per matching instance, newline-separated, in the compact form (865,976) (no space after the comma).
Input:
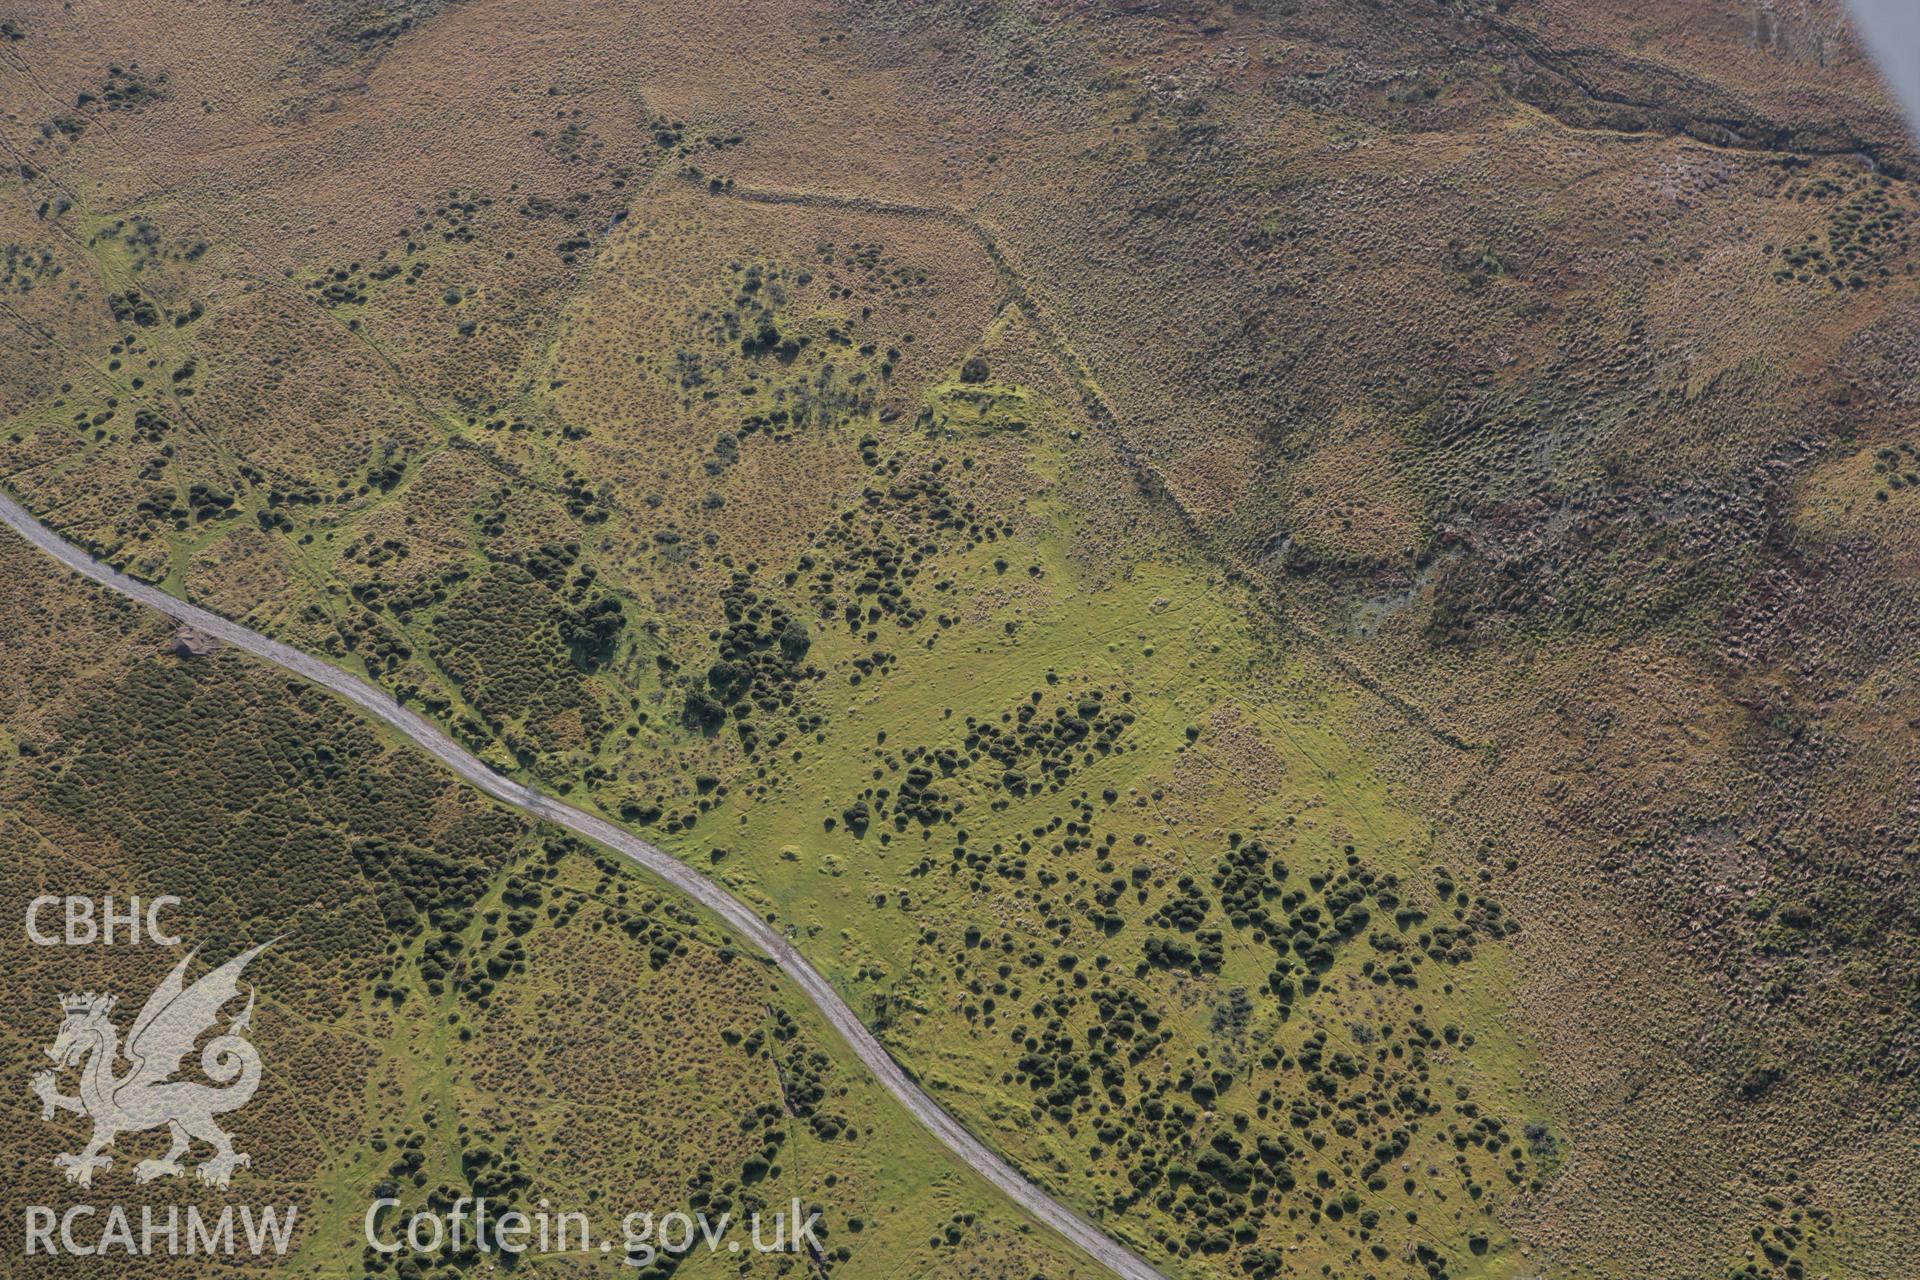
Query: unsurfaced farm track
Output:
(739,917)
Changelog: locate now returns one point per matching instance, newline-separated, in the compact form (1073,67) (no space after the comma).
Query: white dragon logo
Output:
(147,1096)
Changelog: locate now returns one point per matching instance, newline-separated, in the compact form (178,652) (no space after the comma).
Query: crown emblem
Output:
(89,1002)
